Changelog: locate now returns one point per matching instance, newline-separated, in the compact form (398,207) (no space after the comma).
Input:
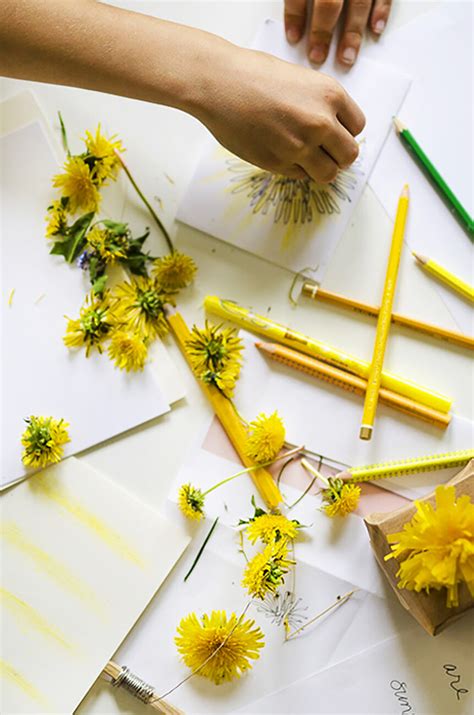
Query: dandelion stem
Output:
(250,469)
(338,602)
(150,208)
(309,467)
(199,553)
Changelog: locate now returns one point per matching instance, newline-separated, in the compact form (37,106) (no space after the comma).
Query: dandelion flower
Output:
(43,441)
(436,548)
(174,271)
(101,151)
(127,350)
(93,326)
(108,245)
(219,647)
(340,498)
(56,218)
(191,501)
(77,184)
(266,438)
(266,571)
(215,356)
(271,528)
(140,304)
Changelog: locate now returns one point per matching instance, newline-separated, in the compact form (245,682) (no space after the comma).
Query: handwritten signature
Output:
(455,678)
(400,691)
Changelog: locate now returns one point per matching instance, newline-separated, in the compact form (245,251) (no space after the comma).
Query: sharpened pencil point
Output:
(419,258)
(399,126)
(406,191)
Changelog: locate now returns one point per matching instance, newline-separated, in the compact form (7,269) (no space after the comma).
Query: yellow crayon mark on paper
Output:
(54,490)
(13,676)
(48,565)
(10,297)
(28,618)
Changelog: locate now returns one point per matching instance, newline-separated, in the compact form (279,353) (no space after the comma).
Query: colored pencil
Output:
(413,465)
(383,322)
(269,329)
(351,383)
(445,276)
(433,175)
(312,290)
(230,421)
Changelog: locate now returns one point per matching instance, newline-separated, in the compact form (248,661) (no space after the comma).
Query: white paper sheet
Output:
(326,420)
(438,110)
(216,201)
(39,374)
(410,673)
(215,584)
(81,558)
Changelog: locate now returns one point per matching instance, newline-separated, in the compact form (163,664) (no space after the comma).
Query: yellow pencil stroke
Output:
(28,618)
(48,565)
(54,490)
(9,673)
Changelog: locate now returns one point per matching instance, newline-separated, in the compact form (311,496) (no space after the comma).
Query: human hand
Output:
(359,14)
(282,117)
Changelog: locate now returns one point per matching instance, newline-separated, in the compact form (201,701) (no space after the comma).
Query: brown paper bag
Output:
(430,610)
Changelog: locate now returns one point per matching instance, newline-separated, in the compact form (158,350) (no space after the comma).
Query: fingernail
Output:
(292,35)
(349,55)
(379,26)
(318,54)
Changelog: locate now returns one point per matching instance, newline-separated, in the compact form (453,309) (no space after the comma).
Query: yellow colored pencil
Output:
(351,383)
(385,318)
(445,276)
(413,465)
(230,421)
(229,310)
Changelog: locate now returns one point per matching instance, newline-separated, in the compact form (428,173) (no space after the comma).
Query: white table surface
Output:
(161,140)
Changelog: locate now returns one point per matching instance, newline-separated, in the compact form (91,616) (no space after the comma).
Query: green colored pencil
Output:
(451,200)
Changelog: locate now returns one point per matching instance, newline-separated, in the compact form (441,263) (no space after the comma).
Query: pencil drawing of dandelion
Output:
(292,201)
(283,607)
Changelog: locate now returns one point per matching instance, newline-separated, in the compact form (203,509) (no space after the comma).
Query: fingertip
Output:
(318,53)
(293,34)
(378,26)
(348,56)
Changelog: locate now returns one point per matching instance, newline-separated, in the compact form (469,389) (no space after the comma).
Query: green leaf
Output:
(76,236)
(118,228)
(64,135)
(136,264)
(98,286)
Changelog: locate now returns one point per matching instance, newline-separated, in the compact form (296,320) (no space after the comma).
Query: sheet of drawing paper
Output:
(215,585)
(81,559)
(40,376)
(292,225)
(438,110)
(343,546)
(326,420)
(410,673)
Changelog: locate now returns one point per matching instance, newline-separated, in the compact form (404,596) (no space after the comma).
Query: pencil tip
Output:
(399,126)
(406,190)
(419,258)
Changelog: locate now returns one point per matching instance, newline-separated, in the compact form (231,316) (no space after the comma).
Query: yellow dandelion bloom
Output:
(436,548)
(78,186)
(140,304)
(340,498)
(107,244)
(266,438)
(43,441)
(215,356)
(191,502)
(127,350)
(56,218)
(102,151)
(271,528)
(219,647)
(93,326)
(266,571)
(174,271)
